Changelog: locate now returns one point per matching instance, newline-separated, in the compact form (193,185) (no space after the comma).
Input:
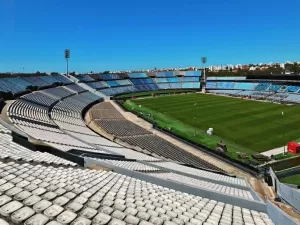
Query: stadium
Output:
(135,148)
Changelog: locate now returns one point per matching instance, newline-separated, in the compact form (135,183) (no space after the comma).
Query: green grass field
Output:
(295,179)
(244,125)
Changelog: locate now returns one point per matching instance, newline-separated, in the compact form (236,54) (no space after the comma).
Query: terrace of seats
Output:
(113,84)
(30,114)
(39,188)
(264,90)
(17,85)
(109,119)
(62,139)
(14,151)
(39,194)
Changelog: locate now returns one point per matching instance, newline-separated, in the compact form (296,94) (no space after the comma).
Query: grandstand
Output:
(113,84)
(240,86)
(55,170)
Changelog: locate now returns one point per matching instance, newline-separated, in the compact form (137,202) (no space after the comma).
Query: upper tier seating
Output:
(75,88)
(17,85)
(192,73)
(194,85)
(124,82)
(262,86)
(225,85)
(165,74)
(142,81)
(84,78)
(161,80)
(58,93)
(97,85)
(225,78)
(189,79)
(39,98)
(38,81)
(176,85)
(173,79)
(274,87)
(292,88)
(164,86)
(245,86)
(112,83)
(30,114)
(62,79)
(109,76)
(211,84)
(137,75)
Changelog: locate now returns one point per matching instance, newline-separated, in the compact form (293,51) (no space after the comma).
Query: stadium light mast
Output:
(67,56)
(204,60)
(195,118)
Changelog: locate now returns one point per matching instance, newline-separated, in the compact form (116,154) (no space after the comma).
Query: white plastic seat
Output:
(74,207)
(3,222)
(116,222)
(105,209)
(118,215)
(66,217)
(49,195)
(41,205)
(31,200)
(93,204)
(6,186)
(13,191)
(101,219)
(4,199)
(81,221)
(10,207)
(61,201)
(53,223)
(53,211)
(156,220)
(38,219)
(22,214)
(88,213)
(70,195)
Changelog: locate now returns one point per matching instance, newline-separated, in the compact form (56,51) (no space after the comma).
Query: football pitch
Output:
(244,125)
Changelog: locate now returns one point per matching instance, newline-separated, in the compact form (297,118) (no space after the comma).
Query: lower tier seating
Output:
(137,136)
(36,194)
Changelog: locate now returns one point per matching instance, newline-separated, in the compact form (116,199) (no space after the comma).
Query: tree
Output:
(295,68)
(106,72)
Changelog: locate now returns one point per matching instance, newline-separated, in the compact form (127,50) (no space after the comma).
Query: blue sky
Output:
(128,34)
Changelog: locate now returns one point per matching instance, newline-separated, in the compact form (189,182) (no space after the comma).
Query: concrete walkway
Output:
(275,151)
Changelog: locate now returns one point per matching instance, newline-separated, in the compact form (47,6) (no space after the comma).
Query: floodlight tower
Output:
(204,60)
(67,56)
